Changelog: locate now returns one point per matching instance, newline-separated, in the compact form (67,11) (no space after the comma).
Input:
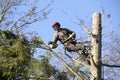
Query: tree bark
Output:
(96,47)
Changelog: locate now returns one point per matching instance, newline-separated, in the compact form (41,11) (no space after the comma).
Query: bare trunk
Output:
(96,47)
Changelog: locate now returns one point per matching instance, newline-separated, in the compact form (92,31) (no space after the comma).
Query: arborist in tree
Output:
(67,38)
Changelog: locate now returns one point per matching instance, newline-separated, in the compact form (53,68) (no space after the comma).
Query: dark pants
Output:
(77,47)
(74,47)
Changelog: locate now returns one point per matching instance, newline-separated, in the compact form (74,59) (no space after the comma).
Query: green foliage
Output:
(37,40)
(15,54)
(40,68)
(17,62)
(60,75)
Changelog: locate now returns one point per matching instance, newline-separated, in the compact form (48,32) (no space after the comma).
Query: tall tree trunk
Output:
(96,47)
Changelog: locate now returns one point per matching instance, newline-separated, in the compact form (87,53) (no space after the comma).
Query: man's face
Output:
(56,28)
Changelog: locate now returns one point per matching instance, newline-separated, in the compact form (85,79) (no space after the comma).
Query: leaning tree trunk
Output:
(96,47)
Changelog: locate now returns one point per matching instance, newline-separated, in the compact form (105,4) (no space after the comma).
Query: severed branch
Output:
(64,62)
(66,65)
(74,60)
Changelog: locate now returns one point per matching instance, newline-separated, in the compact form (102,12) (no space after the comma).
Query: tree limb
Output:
(108,65)
(74,60)
(66,65)
(6,6)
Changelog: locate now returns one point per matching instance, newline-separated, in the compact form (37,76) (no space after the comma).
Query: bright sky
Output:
(75,9)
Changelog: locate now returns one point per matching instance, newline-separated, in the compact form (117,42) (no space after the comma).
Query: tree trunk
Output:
(96,47)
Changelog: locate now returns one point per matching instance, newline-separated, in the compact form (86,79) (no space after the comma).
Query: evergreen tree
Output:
(15,55)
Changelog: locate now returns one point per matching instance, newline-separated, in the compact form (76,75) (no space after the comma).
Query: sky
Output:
(68,11)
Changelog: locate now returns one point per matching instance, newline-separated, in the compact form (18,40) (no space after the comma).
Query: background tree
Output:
(16,51)
(112,55)
(18,14)
(15,54)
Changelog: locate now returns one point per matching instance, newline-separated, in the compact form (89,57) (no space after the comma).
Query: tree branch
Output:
(66,65)
(64,62)
(6,6)
(108,65)
(74,60)
(82,24)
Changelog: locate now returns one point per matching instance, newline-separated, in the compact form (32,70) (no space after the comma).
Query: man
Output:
(67,38)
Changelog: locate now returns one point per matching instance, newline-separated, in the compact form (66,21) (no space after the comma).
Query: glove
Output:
(52,45)
(50,42)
